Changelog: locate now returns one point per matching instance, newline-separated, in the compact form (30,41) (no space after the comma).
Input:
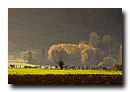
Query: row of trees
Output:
(33,57)
(108,43)
(25,41)
(99,52)
(81,54)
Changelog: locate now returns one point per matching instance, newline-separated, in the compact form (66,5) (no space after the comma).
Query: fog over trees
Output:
(82,36)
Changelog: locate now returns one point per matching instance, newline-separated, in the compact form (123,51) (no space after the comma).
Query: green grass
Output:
(59,72)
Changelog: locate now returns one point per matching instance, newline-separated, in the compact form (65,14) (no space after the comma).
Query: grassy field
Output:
(18,61)
(60,72)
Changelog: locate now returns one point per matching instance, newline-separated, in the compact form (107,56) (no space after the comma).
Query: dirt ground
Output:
(65,79)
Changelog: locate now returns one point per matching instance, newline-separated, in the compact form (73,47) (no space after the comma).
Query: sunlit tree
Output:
(117,66)
(107,62)
(84,57)
(83,46)
(82,42)
(88,57)
(69,52)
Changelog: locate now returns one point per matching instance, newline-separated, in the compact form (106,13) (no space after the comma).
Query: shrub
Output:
(107,62)
(104,68)
(117,66)
(56,66)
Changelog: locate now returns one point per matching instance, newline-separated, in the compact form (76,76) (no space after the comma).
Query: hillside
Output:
(63,25)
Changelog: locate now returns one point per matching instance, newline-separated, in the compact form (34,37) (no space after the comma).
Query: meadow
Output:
(59,72)
(21,75)
(20,62)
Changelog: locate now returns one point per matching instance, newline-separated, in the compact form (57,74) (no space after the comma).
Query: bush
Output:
(56,66)
(117,66)
(107,62)
(104,68)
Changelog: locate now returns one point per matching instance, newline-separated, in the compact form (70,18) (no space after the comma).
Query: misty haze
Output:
(80,37)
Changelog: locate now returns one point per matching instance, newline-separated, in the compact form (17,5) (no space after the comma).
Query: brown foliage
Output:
(117,66)
(107,62)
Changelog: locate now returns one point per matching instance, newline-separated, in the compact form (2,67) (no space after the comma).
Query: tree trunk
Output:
(61,67)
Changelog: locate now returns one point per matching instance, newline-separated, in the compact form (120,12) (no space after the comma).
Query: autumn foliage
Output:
(81,54)
(107,62)
(117,66)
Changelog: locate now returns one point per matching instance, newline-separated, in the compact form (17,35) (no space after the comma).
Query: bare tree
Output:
(60,63)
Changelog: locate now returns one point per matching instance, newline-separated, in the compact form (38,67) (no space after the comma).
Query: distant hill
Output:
(63,24)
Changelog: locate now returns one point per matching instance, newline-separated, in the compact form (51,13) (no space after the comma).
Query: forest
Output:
(80,36)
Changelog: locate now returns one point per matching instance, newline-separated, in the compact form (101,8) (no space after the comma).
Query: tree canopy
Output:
(94,39)
(81,36)
(107,62)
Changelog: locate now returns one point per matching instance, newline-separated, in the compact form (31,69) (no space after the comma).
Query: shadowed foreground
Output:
(65,79)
